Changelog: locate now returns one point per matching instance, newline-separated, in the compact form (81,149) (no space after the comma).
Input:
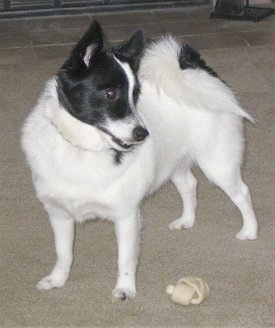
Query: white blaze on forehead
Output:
(123,129)
(130,78)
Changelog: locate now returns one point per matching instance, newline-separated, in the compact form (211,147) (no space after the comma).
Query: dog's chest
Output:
(87,187)
(84,201)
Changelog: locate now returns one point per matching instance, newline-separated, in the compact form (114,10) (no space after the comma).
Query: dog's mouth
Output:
(121,143)
(116,140)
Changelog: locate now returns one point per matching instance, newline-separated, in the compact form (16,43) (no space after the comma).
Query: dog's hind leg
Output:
(186,184)
(230,181)
(127,231)
(63,228)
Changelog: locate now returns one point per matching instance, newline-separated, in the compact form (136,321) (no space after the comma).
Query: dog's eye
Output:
(111,93)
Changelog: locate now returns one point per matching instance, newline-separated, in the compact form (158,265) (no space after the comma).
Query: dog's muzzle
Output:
(138,135)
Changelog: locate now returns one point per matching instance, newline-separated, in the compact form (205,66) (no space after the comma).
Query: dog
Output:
(114,125)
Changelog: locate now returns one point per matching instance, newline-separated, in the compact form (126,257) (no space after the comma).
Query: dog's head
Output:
(99,87)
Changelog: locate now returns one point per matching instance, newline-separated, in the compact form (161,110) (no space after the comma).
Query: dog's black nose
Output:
(140,133)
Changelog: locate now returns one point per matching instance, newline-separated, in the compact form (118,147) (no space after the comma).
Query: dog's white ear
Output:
(90,50)
(86,49)
(132,49)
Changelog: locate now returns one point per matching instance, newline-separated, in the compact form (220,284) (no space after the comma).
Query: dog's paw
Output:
(182,223)
(50,282)
(247,234)
(121,294)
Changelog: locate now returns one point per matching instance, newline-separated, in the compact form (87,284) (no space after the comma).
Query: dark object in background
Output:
(33,8)
(236,9)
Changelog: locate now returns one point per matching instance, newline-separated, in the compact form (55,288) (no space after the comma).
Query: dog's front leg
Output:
(63,228)
(127,231)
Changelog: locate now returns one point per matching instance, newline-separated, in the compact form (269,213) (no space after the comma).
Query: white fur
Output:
(191,117)
(194,87)
(88,55)
(131,81)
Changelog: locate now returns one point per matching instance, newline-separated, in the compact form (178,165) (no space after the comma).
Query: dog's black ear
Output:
(132,49)
(85,50)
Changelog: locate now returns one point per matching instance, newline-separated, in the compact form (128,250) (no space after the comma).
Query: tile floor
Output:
(40,39)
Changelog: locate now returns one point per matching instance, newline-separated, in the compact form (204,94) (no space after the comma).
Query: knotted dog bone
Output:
(188,290)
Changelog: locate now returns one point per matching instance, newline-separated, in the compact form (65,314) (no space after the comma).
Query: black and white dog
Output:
(113,125)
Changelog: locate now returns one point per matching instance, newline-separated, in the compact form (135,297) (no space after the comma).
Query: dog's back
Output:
(191,112)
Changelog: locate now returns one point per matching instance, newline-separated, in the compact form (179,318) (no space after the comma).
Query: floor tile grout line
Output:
(158,22)
(161,25)
(37,46)
(122,39)
(213,33)
(16,47)
(74,28)
(199,48)
(54,44)
(242,33)
(46,30)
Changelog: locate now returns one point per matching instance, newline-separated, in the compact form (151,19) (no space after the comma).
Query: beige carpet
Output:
(240,274)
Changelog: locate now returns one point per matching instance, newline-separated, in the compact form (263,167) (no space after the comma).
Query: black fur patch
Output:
(85,97)
(190,58)
(92,85)
(91,75)
(131,51)
(118,157)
